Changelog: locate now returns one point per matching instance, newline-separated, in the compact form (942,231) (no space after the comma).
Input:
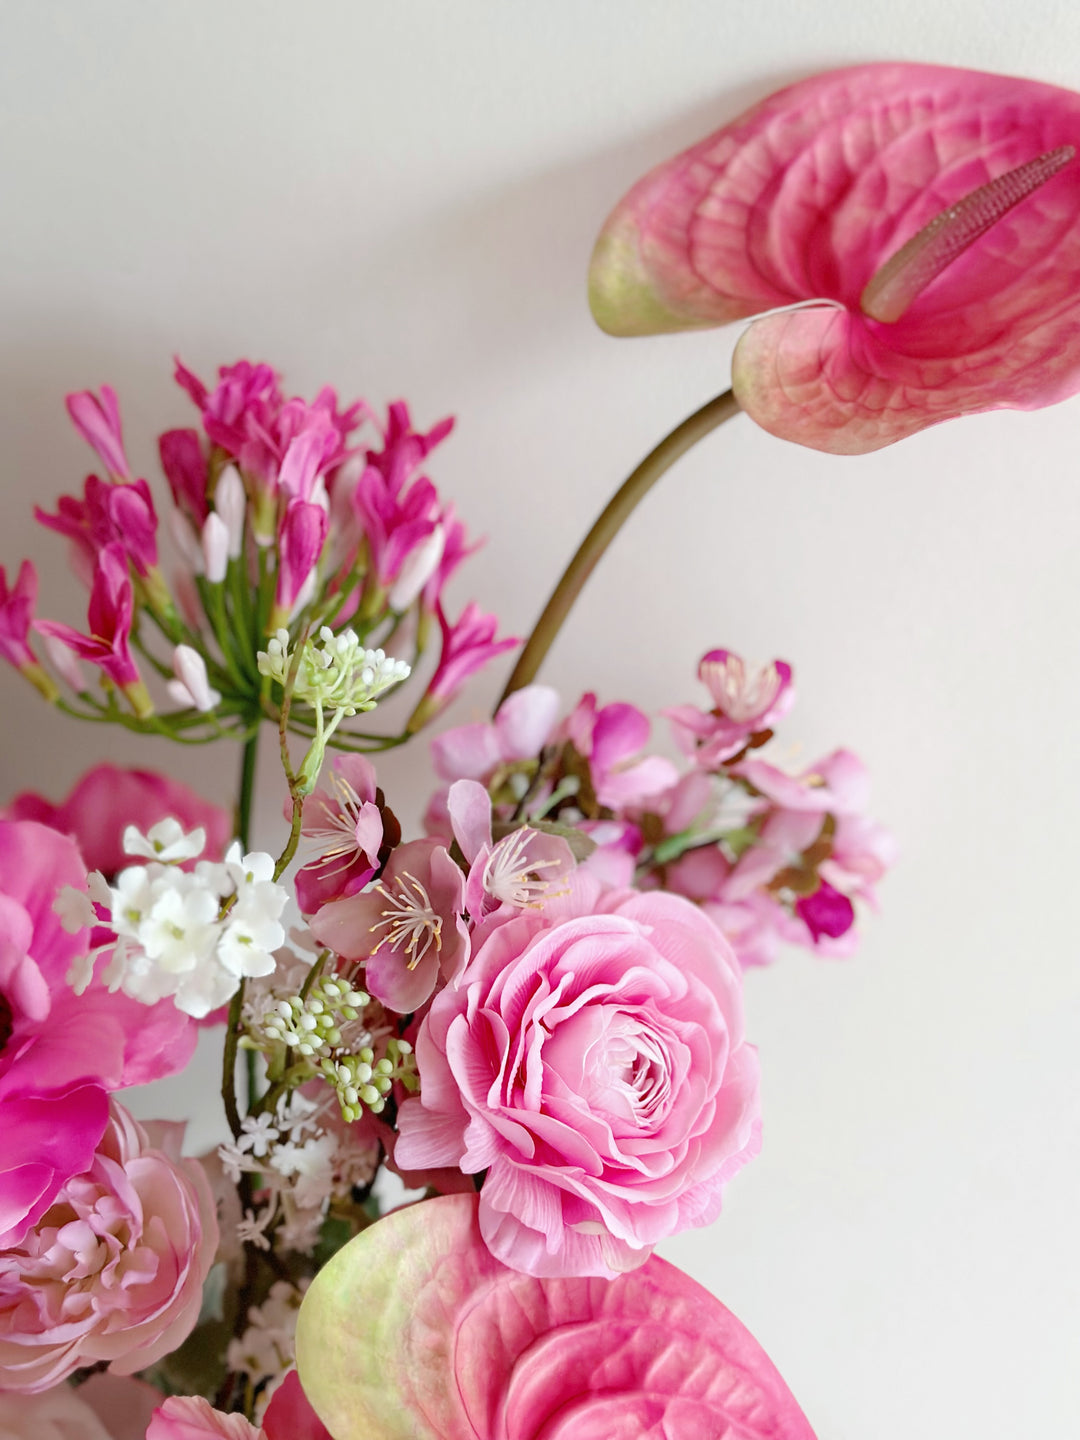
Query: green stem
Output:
(610,521)
(247,789)
(244,801)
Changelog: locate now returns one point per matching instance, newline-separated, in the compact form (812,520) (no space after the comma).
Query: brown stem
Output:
(611,519)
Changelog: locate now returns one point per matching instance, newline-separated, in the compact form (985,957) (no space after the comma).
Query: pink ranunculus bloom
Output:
(107,799)
(591,1060)
(610,738)
(923,220)
(98,422)
(58,1414)
(113,1271)
(289,1416)
(60,1053)
(448,1344)
(343,821)
(745,702)
(16,615)
(407,928)
(112,607)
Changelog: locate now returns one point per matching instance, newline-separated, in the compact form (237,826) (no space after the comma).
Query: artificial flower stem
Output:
(608,524)
(246,793)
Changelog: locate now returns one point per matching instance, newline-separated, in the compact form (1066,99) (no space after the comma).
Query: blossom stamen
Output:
(412,920)
(902,279)
(511,876)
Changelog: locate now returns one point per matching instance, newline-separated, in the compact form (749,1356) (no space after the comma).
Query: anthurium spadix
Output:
(914,231)
(414,1331)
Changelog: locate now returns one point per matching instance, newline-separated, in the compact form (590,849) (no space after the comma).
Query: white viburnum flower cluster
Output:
(334,672)
(190,935)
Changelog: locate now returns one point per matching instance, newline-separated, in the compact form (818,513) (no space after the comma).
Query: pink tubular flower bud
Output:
(191,686)
(185,469)
(300,542)
(16,614)
(98,422)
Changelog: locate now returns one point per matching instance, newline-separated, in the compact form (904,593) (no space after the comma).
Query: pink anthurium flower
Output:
(922,220)
(414,1331)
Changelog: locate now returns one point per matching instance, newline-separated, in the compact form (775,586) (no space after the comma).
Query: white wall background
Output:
(401,199)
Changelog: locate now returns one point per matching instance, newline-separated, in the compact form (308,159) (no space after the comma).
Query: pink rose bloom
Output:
(60,1053)
(591,1060)
(114,1270)
(107,799)
(289,1416)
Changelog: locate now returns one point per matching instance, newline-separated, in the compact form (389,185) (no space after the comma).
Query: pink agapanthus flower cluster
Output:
(286,513)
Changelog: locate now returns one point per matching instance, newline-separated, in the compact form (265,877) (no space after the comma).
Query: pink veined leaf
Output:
(414,1331)
(922,219)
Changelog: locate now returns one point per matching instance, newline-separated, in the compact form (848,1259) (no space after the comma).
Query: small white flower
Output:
(252,1229)
(310,1166)
(258,1134)
(165,842)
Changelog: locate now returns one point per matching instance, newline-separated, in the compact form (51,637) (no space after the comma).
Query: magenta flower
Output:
(60,1053)
(610,738)
(107,799)
(185,468)
(107,514)
(113,1271)
(468,643)
(922,219)
(112,606)
(16,615)
(300,542)
(591,1059)
(413,1331)
(98,422)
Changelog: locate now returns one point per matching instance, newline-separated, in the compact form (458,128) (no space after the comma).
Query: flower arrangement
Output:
(531,1014)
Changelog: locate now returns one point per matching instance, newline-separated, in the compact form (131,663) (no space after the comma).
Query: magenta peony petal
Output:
(414,1331)
(943,201)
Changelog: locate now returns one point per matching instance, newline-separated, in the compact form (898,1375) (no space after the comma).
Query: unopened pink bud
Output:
(417,569)
(191,686)
(230,503)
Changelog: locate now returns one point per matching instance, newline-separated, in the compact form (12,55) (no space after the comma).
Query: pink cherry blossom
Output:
(924,219)
(523,725)
(407,927)
(107,799)
(590,1058)
(98,422)
(112,606)
(342,819)
(113,1271)
(610,738)
(60,1052)
(16,615)
(521,871)
(448,1344)
(745,703)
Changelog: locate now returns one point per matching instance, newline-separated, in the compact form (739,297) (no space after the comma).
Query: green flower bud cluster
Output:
(334,672)
(312,1024)
(361,1080)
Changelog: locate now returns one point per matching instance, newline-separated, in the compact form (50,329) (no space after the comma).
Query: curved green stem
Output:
(610,521)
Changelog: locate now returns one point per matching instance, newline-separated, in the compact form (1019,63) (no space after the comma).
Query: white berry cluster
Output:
(334,672)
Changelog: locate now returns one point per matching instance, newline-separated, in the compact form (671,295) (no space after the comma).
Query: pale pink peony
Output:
(107,799)
(60,1053)
(289,1416)
(113,1271)
(414,1331)
(591,1060)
